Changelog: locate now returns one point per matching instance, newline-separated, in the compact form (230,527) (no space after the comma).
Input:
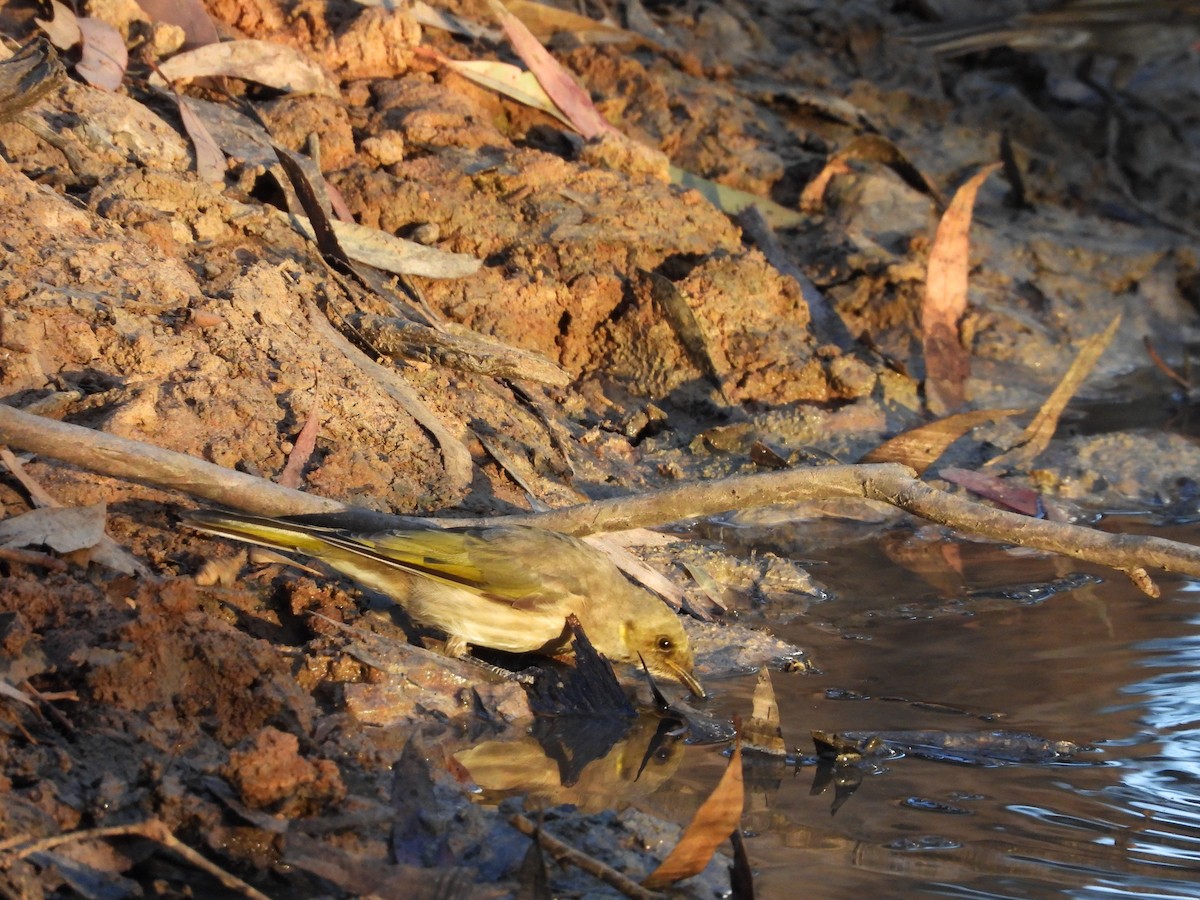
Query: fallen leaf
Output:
(1016,497)
(732,201)
(545,21)
(63,28)
(190,15)
(306,442)
(511,81)
(1037,434)
(104,55)
(64,529)
(392,254)
(714,821)
(7,690)
(919,447)
(946,362)
(559,84)
(427,16)
(263,62)
(210,161)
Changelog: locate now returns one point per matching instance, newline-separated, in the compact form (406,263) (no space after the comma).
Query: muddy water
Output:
(1100,665)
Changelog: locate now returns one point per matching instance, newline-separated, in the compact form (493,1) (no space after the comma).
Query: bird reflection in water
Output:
(563,766)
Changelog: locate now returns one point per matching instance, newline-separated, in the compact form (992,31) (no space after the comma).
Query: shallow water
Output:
(1100,665)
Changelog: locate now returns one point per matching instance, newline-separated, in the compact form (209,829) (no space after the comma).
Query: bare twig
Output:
(455,456)
(132,460)
(153,830)
(456,348)
(566,853)
(887,483)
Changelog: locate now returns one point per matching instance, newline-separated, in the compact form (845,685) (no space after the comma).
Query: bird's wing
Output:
(502,564)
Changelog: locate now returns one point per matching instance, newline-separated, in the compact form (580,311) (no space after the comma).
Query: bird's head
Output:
(661,641)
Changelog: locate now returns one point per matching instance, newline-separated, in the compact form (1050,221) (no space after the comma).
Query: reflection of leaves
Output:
(714,821)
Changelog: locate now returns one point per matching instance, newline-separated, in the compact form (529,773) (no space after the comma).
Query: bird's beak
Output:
(689,680)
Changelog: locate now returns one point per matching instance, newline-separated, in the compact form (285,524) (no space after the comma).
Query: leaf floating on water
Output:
(762,731)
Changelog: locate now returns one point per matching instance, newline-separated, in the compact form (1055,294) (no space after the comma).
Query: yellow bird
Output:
(508,587)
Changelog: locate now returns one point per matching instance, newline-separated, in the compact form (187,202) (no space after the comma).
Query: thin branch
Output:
(456,459)
(889,483)
(153,830)
(132,460)
(566,853)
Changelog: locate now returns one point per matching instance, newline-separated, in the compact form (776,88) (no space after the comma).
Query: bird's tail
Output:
(959,38)
(273,533)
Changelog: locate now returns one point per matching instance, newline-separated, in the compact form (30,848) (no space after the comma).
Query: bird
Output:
(1139,30)
(505,587)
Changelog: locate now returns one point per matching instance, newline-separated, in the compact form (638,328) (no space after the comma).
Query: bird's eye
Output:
(665,645)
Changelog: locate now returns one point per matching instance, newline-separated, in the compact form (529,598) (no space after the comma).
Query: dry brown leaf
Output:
(1016,497)
(946,362)
(63,29)
(733,201)
(104,55)
(64,529)
(559,84)
(546,21)
(714,821)
(190,15)
(210,161)
(509,80)
(427,16)
(919,447)
(293,473)
(392,254)
(763,732)
(1036,436)
(263,62)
